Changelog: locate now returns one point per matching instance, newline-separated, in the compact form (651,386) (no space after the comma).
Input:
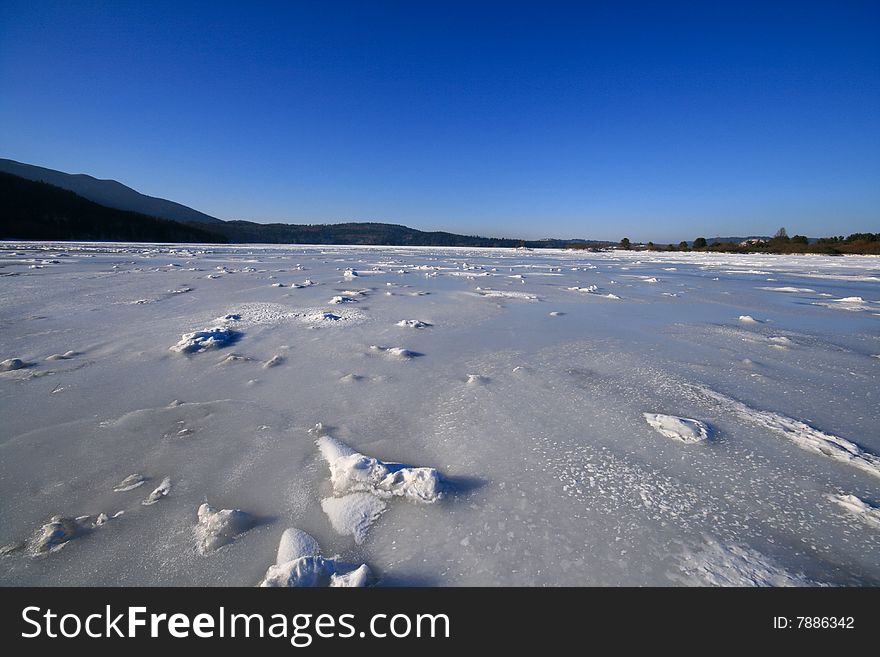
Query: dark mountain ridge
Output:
(109,193)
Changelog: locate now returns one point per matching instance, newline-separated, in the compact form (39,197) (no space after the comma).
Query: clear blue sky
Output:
(541,119)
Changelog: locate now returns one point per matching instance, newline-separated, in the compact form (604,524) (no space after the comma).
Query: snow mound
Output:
(352,514)
(273,362)
(56,533)
(314,571)
(412,323)
(865,512)
(296,543)
(231,359)
(342,299)
(217,528)
(682,429)
(505,294)
(789,290)
(159,492)
(298,564)
(594,290)
(199,341)
(853,304)
(11,364)
(351,472)
(476,379)
(748,319)
(339,317)
(131,482)
(258,314)
(65,356)
(395,352)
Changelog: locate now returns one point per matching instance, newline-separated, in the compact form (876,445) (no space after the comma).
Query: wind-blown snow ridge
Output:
(716,564)
(857,507)
(800,433)
(351,471)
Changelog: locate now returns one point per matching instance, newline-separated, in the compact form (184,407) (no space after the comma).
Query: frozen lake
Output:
(516,383)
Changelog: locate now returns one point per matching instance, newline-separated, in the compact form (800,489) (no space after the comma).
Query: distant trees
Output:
(625,244)
(865,243)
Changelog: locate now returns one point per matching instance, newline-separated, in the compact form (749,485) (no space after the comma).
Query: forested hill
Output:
(40,211)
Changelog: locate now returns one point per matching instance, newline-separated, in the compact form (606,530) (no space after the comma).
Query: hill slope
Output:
(40,211)
(108,193)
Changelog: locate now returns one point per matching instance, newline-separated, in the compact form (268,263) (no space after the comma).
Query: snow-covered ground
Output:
(436,416)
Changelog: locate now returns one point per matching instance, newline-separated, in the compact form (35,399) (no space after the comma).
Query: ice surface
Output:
(716,564)
(682,429)
(529,394)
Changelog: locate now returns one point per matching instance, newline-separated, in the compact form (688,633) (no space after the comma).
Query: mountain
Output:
(40,211)
(367,233)
(109,193)
(92,209)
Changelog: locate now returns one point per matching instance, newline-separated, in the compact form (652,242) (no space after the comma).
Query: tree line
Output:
(781,242)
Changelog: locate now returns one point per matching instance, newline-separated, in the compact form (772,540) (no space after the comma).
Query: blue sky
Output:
(575,119)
